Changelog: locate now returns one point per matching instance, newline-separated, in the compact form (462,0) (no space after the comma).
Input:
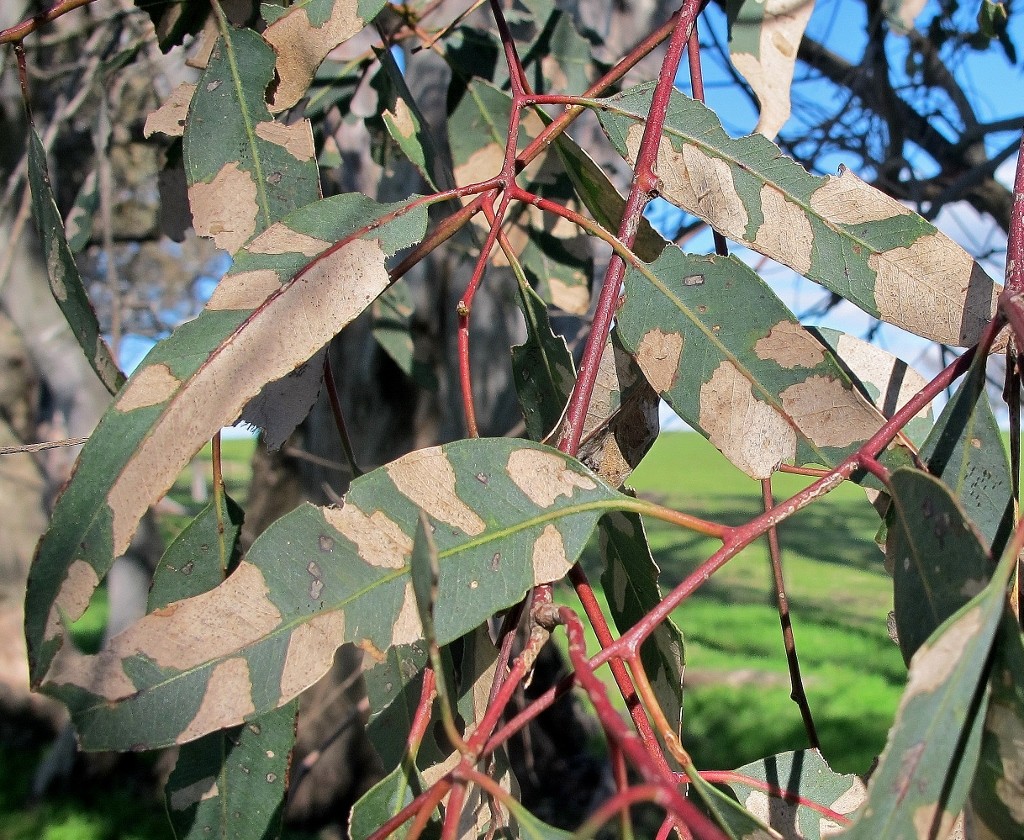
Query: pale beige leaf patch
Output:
(408,627)
(72,598)
(544,476)
(549,559)
(154,385)
(281,239)
(427,479)
(828,413)
(225,209)
(790,346)
(572,299)
(170,117)
(935,661)
(401,119)
(846,804)
(1008,729)
(926,825)
(770,74)
(184,798)
(228,699)
(378,539)
(484,163)
(785,230)
(310,652)
(696,181)
(935,289)
(847,200)
(300,47)
(750,433)
(296,139)
(658,356)
(289,328)
(247,290)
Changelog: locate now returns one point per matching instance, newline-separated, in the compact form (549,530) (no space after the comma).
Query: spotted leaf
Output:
(837,230)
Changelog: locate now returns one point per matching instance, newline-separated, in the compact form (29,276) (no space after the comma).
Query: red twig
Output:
(728,777)
(1015,242)
(19,31)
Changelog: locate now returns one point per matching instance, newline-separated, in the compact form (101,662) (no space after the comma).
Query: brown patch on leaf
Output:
(402,119)
(829,413)
(769,810)
(289,328)
(658,356)
(790,346)
(153,385)
(300,47)
(482,164)
(225,209)
(926,824)
(935,661)
(874,366)
(170,117)
(296,139)
(310,652)
(549,559)
(427,479)
(281,239)
(935,289)
(846,804)
(72,598)
(379,540)
(572,299)
(750,433)
(184,798)
(770,73)
(785,229)
(847,200)
(102,675)
(246,290)
(227,700)
(407,627)
(696,182)
(544,476)
(1007,728)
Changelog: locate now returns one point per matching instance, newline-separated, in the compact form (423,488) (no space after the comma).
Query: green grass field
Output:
(737,701)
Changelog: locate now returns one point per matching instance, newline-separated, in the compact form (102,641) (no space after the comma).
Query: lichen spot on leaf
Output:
(829,413)
(378,539)
(296,139)
(750,433)
(658,356)
(785,233)
(310,652)
(427,479)
(847,200)
(544,476)
(226,701)
(790,346)
(152,385)
(549,558)
(225,209)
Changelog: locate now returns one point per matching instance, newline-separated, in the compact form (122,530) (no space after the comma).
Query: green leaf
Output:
(245,171)
(173,20)
(630,581)
(385,799)
(79,222)
(65,281)
(542,368)
(231,785)
(924,774)
(937,559)
(783,789)
(764,394)
(255,329)
(997,795)
(507,515)
(966,450)
(392,328)
(838,231)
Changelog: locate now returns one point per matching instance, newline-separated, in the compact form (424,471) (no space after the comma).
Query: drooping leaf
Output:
(784,789)
(245,170)
(254,330)
(838,231)
(392,327)
(542,368)
(925,771)
(763,40)
(630,581)
(937,559)
(507,515)
(79,222)
(231,785)
(966,450)
(997,796)
(304,36)
(65,280)
(764,394)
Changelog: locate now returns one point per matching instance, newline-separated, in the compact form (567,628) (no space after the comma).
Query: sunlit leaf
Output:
(65,280)
(507,515)
(837,230)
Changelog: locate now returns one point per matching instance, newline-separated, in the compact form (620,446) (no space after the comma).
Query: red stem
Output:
(1015,242)
(27,27)
(728,777)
